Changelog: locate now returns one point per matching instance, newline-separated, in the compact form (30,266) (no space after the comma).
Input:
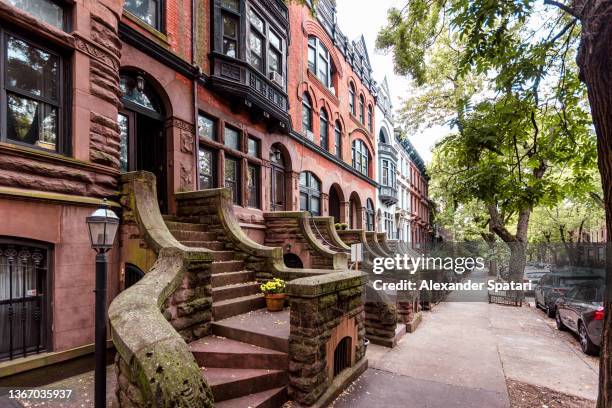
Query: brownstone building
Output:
(264,99)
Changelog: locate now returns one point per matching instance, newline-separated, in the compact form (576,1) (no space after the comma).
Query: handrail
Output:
(340,247)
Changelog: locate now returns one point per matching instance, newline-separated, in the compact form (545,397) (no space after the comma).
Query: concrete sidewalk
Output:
(462,354)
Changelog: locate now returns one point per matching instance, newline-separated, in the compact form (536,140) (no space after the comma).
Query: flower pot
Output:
(275,302)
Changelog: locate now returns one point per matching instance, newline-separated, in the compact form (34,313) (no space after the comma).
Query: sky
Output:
(357,17)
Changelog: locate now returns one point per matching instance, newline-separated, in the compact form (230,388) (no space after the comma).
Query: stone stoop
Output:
(245,362)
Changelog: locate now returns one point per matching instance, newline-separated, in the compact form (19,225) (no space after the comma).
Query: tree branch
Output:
(563,7)
(497,225)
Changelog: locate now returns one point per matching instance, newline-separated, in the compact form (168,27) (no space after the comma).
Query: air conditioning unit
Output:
(276,77)
(309,135)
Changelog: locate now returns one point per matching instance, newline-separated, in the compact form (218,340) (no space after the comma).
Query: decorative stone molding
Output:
(94,51)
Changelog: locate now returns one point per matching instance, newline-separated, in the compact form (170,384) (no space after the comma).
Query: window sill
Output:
(52,157)
(315,79)
(148,28)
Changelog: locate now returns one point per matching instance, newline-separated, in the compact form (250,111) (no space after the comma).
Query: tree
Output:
(494,33)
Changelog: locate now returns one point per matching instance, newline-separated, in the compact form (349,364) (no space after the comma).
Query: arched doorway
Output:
(141,127)
(355,211)
(293,261)
(278,184)
(336,197)
(132,274)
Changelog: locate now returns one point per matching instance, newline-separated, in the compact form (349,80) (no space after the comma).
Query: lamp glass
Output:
(103,225)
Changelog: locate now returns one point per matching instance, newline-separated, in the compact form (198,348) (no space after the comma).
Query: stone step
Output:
(259,327)
(234,291)
(223,255)
(169,217)
(214,351)
(212,245)
(188,235)
(272,398)
(219,279)
(185,226)
(227,266)
(237,306)
(231,383)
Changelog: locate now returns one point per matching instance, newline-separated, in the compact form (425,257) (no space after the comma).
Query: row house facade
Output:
(404,209)
(273,102)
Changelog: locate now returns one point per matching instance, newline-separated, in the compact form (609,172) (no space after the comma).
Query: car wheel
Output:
(550,312)
(560,324)
(586,344)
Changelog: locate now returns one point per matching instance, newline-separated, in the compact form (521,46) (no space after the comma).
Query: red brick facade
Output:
(45,194)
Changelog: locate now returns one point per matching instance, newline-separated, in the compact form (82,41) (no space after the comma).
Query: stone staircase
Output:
(245,360)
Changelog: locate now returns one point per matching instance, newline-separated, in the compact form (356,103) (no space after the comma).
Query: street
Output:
(476,354)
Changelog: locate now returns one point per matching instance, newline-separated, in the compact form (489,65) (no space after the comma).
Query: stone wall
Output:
(318,305)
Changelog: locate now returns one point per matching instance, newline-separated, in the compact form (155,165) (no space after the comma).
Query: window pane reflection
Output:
(31,122)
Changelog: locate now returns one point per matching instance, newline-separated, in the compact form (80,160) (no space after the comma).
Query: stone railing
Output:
(324,310)
(326,227)
(293,228)
(214,208)
(151,321)
(372,239)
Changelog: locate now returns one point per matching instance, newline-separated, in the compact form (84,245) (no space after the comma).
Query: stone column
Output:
(344,211)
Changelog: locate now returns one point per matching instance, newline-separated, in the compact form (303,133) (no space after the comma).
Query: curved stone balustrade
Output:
(155,365)
(327,227)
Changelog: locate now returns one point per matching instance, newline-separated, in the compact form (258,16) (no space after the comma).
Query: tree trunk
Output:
(516,242)
(594,61)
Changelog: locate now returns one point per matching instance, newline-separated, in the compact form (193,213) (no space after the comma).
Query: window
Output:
(34,95)
(360,157)
(206,127)
(310,193)
(253,147)
(232,178)
(352,98)
(231,29)
(369,215)
(370,118)
(306,113)
(206,166)
(232,138)
(46,10)
(148,11)
(385,173)
(319,62)
(361,109)
(24,299)
(389,224)
(338,139)
(253,186)
(324,130)
(275,54)
(277,185)
(124,134)
(256,41)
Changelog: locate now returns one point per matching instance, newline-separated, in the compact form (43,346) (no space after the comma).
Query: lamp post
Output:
(102,224)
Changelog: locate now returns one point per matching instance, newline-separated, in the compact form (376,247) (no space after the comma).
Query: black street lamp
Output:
(103,224)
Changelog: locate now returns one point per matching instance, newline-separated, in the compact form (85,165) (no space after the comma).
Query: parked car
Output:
(581,311)
(554,285)
(533,273)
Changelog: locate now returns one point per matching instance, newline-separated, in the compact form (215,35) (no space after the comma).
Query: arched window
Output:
(352,98)
(361,109)
(338,139)
(319,62)
(310,193)
(324,129)
(369,215)
(370,128)
(360,157)
(306,112)
(382,138)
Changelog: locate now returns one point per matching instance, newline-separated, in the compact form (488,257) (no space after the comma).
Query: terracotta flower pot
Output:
(275,302)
